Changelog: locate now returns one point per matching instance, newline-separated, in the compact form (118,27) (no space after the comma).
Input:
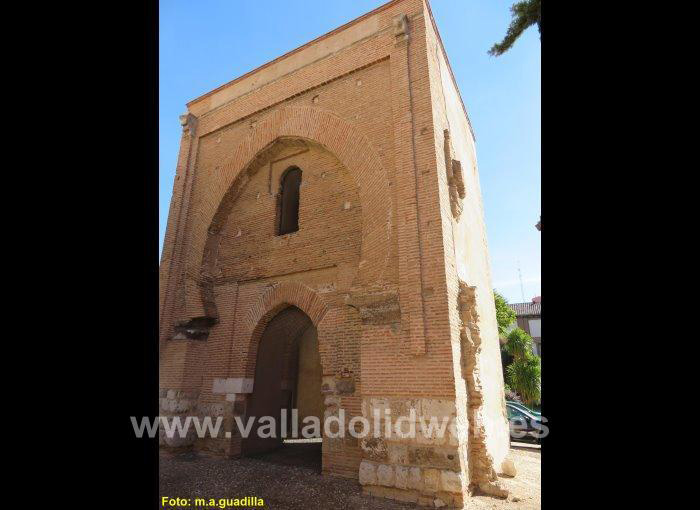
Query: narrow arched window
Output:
(289,201)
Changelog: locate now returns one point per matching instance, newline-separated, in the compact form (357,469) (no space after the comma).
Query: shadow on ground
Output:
(302,455)
(288,478)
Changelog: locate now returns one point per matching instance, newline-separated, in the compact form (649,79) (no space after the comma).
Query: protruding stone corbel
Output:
(188,123)
(400,28)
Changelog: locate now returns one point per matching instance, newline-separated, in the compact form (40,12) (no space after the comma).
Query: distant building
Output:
(529,319)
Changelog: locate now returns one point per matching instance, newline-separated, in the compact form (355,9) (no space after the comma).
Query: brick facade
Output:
(389,264)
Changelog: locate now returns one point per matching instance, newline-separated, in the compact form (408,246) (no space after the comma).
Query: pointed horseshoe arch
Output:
(269,304)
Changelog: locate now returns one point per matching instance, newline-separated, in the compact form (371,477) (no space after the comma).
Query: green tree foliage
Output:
(521,368)
(523,371)
(518,343)
(505,315)
(524,375)
(525,14)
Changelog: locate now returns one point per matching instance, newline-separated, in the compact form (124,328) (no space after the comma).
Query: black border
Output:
(100,244)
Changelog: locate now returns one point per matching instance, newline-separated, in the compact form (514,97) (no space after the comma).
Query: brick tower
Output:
(326,250)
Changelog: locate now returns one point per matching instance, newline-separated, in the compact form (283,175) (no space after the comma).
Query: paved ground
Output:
(290,479)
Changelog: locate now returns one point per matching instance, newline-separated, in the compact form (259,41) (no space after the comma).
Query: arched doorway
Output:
(287,378)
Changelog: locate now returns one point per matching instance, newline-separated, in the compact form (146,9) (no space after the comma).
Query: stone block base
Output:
(439,499)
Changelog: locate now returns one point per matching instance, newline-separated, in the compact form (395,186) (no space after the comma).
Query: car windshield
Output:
(522,407)
(514,410)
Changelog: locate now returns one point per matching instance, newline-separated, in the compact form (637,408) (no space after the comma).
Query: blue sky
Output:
(207,43)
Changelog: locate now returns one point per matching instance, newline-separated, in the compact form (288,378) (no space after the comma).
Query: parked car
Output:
(524,426)
(523,407)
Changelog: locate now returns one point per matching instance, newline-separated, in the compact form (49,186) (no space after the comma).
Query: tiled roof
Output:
(526,308)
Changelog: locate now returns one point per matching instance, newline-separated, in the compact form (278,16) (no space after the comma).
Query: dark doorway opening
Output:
(287,376)
(306,454)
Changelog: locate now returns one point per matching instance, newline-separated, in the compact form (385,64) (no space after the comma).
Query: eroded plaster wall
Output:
(475,330)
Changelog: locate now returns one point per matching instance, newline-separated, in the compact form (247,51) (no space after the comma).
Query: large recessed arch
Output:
(284,127)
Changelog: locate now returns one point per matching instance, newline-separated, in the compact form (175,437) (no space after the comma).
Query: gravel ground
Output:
(290,479)
(525,489)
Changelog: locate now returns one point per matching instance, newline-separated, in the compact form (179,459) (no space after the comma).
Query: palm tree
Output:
(525,14)
(525,379)
(523,374)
